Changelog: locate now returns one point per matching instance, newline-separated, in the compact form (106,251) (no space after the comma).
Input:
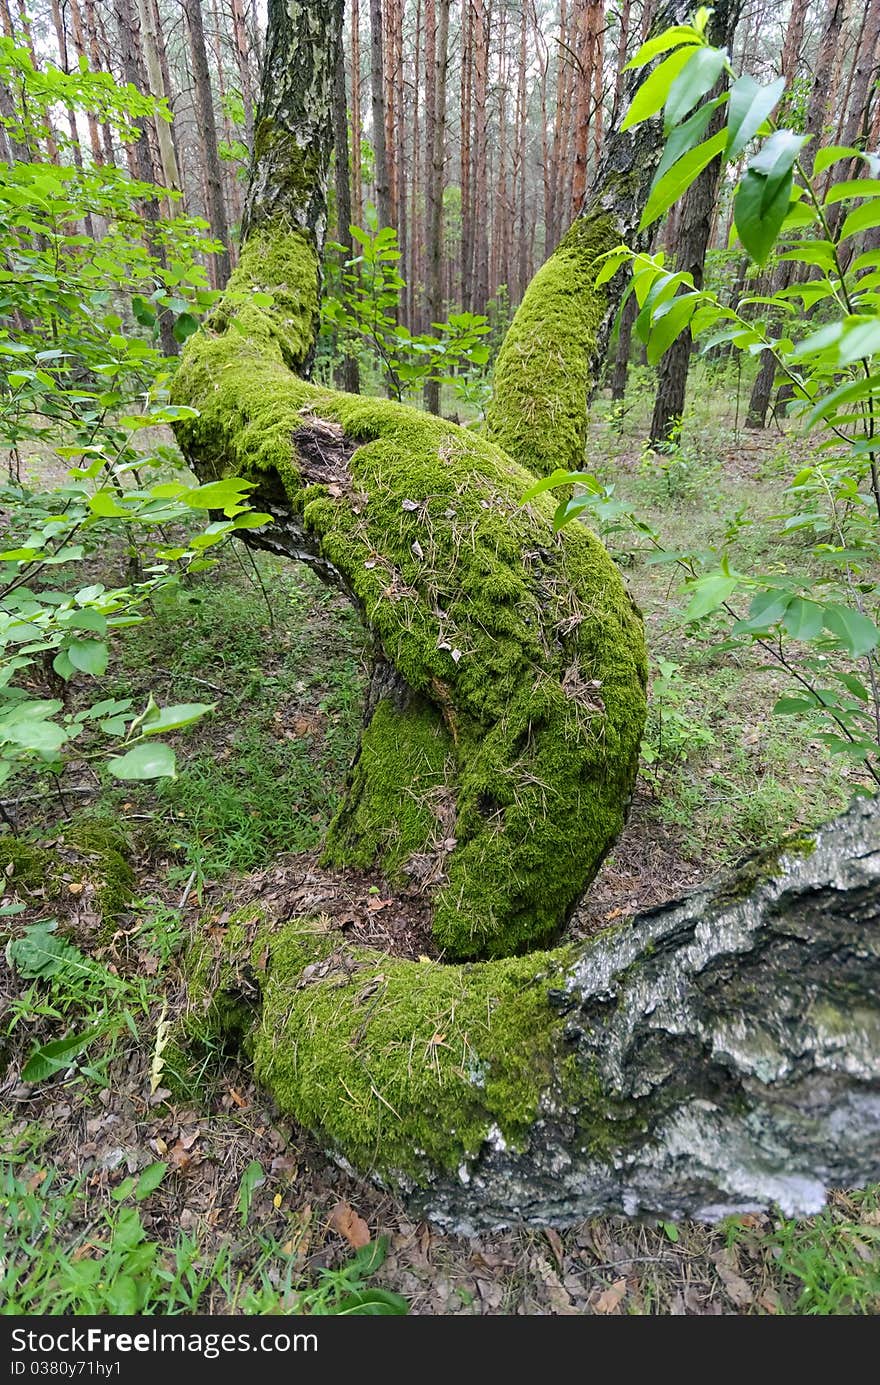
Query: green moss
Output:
(100,858)
(544,372)
(281,263)
(763,867)
(404,1066)
(107,848)
(24,864)
(219,982)
(524,641)
(387,814)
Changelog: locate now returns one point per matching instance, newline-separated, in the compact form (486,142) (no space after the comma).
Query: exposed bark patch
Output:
(324,453)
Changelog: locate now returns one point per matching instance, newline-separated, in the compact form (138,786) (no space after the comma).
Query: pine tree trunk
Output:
(377,87)
(481,185)
(691,241)
(170,171)
(240,43)
(350,373)
(435,226)
(356,127)
(204,101)
(619,374)
(132,68)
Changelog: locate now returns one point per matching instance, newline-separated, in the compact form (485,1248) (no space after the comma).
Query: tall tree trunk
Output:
(520,169)
(132,70)
(623,36)
(481,185)
(466,167)
(155,76)
(377,88)
(204,102)
(242,62)
(98,66)
(435,228)
(79,44)
(794,37)
(619,374)
(356,126)
(692,238)
(787,272)
(350,373)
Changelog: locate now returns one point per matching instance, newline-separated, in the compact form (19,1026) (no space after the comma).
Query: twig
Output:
(189,884)
(191,678)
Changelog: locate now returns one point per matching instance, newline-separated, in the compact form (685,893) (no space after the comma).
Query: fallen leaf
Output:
(346,1223)
(610,1299)
(555,1240)
(736,1287)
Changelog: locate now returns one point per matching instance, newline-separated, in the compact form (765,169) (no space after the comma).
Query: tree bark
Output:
(350,374)
(240,43)
(164,135)
(692,238)
(377,88)
(204,101)
(128,35)
(435,197)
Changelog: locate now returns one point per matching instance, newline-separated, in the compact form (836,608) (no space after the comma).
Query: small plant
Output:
(344,1292)
(673,732)
(88,1000)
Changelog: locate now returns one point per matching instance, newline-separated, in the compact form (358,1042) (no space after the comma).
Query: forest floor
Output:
(199,1196)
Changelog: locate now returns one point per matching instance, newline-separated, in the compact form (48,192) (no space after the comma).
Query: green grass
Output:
(263,773)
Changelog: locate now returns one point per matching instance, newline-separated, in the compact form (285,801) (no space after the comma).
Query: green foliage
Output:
(85,378)
(360,311)
(75,993)
(817,621)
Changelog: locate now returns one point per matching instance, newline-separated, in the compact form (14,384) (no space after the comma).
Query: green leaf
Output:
(217,495)
(670,38)
(184,327)
(863,218)
(856,632)
(154,761)
(150,1180)
(172,718)
(803,619)
(793,706)
(89,656)
(697,78)
(833,153)
(43,737)
(709,593)
(686,135)
(749,106)
(40,952)
(669,323)
(676,180)
(852,188)
(48,1058)
(655,89)
(254,1175)
(777,156)
(758,222)
(363,1303)
(87,619)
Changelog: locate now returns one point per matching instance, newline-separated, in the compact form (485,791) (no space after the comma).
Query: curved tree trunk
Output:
(711,1056)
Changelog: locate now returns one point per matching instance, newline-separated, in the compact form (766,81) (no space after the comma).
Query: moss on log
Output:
(509,749)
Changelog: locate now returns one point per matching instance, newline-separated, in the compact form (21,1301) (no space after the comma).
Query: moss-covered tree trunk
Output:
(674,1066)
(713,1056)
